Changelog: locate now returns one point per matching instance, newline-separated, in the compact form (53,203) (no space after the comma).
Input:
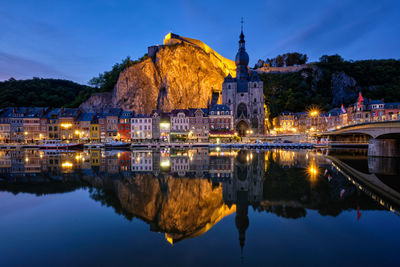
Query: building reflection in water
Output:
(183,193)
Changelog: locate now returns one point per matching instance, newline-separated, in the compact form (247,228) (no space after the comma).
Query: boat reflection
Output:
(183,193)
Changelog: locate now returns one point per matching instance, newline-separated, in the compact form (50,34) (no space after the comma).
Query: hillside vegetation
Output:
(331,82)
(41,93)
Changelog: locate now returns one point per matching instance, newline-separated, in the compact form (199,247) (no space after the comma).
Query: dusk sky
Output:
(77,40)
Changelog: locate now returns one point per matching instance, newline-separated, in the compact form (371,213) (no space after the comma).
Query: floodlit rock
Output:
(187,68)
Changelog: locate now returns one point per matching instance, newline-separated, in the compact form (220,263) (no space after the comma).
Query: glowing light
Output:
(25,133)
(119,155)
(66,125)
(77,157)
(314,112)
(313,172)
(165,125)
(67,164)
(77,132)
(165,163)
(218,148)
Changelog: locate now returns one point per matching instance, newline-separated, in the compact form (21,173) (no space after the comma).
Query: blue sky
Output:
(77,40)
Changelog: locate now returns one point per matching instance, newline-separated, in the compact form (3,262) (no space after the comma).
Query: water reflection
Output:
(183,193)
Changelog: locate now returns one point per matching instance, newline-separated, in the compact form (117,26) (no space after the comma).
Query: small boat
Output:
(116,144)
(57,144)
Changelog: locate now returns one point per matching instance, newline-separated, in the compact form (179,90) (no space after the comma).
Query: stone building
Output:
(141,127)
(244,95)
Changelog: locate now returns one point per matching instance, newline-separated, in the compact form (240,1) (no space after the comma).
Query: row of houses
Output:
(363,111)
(31,124)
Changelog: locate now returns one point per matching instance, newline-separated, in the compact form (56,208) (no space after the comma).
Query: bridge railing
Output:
(362,122)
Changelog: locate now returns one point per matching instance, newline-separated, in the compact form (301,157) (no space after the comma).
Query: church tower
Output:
(244,95)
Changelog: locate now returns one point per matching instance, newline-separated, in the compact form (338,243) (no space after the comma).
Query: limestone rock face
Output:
(97,102)
(188,70)
(137,87)
(342,88)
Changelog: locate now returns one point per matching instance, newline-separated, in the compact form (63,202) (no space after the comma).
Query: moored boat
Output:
(57,144)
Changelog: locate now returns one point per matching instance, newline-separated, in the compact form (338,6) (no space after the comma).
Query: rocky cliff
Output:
(188,69)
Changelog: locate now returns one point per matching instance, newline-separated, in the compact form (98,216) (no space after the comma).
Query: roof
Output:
(113,112)
(187,112)
(126,114)
(374,101)
(86,117)
(142,116)
(219,108)
(286,113)
(69,112)
(394,104)
(5,112)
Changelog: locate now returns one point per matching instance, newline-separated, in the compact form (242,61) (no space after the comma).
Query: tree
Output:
(331,59)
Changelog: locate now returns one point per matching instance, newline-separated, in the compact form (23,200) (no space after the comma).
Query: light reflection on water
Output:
(200,197)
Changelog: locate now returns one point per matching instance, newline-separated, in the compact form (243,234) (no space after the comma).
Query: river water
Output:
(198,207)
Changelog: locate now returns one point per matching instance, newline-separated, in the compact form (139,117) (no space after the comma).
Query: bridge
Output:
(371,183)
(383,136)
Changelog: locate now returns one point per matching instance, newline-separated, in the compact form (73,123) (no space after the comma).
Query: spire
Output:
(241,41)
(241,22)
(242,58)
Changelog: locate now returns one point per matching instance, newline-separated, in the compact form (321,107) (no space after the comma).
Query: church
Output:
(244,95)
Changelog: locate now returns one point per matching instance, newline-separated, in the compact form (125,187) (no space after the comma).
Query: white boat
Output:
(57,144)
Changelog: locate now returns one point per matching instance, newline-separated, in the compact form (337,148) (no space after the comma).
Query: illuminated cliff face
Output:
(179,207)
(187,68)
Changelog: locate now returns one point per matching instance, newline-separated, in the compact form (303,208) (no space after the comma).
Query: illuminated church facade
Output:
(244,95)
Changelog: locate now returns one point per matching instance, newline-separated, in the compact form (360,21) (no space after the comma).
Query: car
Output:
(287,142)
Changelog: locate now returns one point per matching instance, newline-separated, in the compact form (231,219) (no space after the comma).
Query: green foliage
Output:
(297,91)
(39,92)
(288,59)
(376,79)
(291,92)
(106,81)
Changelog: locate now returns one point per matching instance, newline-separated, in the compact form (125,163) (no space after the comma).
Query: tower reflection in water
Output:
(183,193)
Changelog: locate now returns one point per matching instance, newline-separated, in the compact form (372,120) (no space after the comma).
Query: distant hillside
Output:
(42,92)
(331,82)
